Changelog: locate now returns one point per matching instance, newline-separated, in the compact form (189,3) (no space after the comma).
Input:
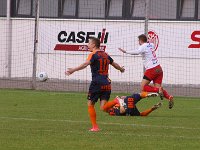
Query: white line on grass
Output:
(139,135)
(102,132)
(104,123)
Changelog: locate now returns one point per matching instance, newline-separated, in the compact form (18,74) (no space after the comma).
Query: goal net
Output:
(64,27)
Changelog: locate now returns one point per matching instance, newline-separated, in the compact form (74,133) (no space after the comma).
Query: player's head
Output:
(142,39)
(94,43)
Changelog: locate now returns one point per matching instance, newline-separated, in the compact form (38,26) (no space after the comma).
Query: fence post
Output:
(35,44)
(9,38)
(146,27)
(147,11)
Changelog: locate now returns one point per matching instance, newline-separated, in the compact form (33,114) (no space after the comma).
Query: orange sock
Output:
(109,105)
(92,114)
(143,94)
(146,112)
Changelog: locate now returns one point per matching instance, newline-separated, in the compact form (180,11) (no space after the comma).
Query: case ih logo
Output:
(77,41)
(153,38)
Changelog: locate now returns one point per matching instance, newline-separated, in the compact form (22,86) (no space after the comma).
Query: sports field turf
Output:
(34,120)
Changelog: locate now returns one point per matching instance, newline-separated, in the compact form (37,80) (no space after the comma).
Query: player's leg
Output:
(145,82)
(152,74)
(93,96)
(165,93)
(92,115)
(148,111)
(147,78)
(157,83)
(107,105)
(147,94)
(103,102)
(160,89)
(148,88)
(105,96)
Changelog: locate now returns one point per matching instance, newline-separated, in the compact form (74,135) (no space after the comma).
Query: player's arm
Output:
(82,66)
(118,67)
(134,52)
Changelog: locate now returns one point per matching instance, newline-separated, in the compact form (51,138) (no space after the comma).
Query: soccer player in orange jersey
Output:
(153,69)
(100,87)
(127,106)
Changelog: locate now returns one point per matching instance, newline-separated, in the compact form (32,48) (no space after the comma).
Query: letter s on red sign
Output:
(195,36)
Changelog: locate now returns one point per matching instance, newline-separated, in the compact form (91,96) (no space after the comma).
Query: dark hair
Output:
(96,41)
(142,37)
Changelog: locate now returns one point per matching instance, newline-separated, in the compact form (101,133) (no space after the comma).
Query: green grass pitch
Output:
(36,120)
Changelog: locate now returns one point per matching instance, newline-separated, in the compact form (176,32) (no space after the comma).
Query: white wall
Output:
(180,64)
(22,47)
(3,49)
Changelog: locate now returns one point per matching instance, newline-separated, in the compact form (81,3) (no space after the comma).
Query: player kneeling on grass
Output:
(126,105)
(100,87)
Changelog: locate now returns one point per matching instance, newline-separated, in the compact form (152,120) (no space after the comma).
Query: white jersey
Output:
(148,54)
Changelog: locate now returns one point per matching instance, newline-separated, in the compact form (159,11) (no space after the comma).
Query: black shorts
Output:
(136,112)
(99,91)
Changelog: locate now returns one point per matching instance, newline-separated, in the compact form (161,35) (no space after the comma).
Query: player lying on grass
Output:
(126,105)
(100,87)
(153,71)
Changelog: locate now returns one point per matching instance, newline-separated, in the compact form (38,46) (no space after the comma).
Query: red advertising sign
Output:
(195,37)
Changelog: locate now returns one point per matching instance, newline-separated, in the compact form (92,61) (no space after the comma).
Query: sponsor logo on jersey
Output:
(77,41)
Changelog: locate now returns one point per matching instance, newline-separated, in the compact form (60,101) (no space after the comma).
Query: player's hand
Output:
(122,70)
(69,71)
(122,50)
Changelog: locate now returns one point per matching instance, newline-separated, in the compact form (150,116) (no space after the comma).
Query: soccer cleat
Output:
(171,102)
(94,129)
(160,92)
(152,94)
(157,106)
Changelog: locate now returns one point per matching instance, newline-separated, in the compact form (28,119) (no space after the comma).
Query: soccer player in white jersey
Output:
(153,69)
